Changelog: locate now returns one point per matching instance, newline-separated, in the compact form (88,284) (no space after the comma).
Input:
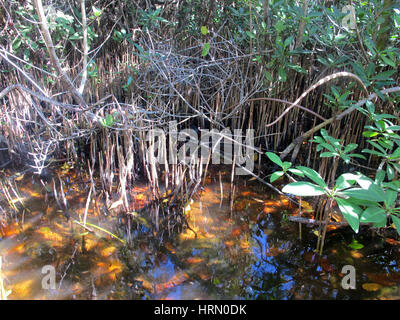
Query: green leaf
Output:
(350,147)
(364,181)
(303,189)
(395,128)
(328,146)
(276,175)
(370,106)
(251,35)
(346,158)
(268,75)
(327,154)
(96,12)
(351,213)
(297,68)
(356,245)
(356,155)
(313,175)
(280,26)
(346,180)
(296,172)
(370,134)
(108,121)
(377,146)
(388,61)
(395,154)
(373,215)
(390,172)
(393,185)
(380,176)
(373,193)
(386,143)
(274,158)
(206,49)
(396,166)
(379,154)
(396,221)
(204,30)
(282,74)
(391,197)
(384,75)
(288,41)
(286,165)
(16,43)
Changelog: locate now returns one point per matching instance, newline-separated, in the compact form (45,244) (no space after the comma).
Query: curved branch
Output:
(319,83)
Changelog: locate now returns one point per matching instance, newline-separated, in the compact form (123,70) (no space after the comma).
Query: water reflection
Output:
(206,251)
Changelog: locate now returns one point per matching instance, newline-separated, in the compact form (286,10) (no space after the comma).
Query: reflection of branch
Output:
(53,55)
(334,118)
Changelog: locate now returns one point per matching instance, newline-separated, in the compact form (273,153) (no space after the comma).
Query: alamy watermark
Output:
(349,20)
(190,146)
(349,279)
(49,280)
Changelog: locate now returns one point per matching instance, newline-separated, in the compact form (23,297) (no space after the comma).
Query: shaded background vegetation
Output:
(212,64)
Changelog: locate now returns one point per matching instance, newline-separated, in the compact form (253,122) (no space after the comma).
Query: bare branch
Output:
(85,48)
(53,55)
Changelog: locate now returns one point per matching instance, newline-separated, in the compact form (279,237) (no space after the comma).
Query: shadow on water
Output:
(207,251)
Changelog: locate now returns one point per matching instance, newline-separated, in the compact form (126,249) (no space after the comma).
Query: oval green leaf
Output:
(303,189)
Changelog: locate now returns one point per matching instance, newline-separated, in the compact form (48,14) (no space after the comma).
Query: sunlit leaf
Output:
(373,214)
(373,193)
(276,175)
(351,213)
(204,30)
(206,49)
(356,245)
(274,158)
(303,189)
(96,12)
(313,175)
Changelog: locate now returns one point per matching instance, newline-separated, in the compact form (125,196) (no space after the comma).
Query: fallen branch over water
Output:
(314,222)
(317,222)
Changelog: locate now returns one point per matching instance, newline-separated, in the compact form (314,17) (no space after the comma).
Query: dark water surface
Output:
(250,252)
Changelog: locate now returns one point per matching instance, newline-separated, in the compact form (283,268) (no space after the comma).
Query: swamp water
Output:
(249,252)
